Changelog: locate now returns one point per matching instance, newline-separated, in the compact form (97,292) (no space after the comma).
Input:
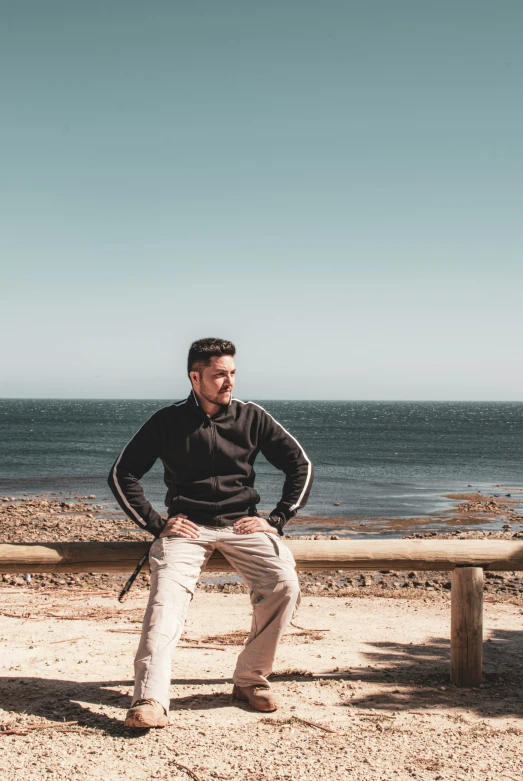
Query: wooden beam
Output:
(500,555)
(466,558)
(466,626)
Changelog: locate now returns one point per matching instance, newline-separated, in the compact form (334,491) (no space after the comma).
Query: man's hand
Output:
(253,523)
(180,526)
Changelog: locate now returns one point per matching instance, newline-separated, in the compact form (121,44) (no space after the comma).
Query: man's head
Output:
(211,369)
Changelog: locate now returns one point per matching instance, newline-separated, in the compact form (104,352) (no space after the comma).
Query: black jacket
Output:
(208,464)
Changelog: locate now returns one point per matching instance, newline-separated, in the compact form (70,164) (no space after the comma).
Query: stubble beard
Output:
(217,398)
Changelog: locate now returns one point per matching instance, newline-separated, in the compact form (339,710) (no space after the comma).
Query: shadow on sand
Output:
(411,677)
(417,676)
(63,700)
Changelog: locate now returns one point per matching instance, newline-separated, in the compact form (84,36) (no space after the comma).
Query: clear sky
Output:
(335,186)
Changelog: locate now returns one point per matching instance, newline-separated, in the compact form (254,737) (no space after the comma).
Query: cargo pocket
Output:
(281,550)
(165,565)
(256,596)
(274,542)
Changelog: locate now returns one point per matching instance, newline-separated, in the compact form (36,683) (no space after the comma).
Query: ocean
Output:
(372,459)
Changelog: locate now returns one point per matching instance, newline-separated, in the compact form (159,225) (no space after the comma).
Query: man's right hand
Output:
(180,526)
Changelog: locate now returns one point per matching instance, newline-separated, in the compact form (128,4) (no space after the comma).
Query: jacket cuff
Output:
(155,523)
(283,512)
(280,517)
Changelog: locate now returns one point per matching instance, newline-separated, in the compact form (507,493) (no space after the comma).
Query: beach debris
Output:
(94,614)
(18,615)
(201,645)
(316,725)
(291,672)
(298,719)
(236,637)
(188,770)
(304,629)
(68,640)
(23,729)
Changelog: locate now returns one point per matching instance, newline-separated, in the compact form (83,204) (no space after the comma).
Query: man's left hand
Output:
(253,523)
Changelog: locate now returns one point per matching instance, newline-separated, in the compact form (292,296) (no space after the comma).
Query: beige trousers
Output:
(265,564)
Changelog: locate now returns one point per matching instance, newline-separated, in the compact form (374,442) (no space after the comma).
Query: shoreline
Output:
(384,518)
(478,510)
(475,516)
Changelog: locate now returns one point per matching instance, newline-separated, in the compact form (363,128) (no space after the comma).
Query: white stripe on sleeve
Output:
(309,465)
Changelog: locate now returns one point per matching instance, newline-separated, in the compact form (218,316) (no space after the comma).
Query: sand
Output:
(371,674)
(363,675)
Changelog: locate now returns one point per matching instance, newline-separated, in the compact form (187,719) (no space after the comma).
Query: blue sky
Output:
(337,187)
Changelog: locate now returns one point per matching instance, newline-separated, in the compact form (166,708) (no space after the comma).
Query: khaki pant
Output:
(265,564)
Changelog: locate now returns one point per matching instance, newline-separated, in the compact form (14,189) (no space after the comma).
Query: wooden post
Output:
(466,626)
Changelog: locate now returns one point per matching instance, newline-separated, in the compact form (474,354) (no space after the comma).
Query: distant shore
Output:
(490,509)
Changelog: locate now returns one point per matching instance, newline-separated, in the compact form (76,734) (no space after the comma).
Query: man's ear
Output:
(194,376)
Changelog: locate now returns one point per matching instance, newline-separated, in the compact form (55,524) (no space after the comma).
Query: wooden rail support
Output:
(466,626)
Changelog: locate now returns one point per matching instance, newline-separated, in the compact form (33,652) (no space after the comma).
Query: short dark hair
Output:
(201,352)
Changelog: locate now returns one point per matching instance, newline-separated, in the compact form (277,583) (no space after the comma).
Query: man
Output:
(208,444)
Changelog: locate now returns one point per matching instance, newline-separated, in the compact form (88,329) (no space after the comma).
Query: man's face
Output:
(216,381)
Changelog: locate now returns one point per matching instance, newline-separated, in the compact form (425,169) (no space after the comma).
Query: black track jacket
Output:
(208,464)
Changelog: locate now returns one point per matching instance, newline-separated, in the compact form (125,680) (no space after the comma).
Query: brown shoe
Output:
(260,698)
(145,714)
